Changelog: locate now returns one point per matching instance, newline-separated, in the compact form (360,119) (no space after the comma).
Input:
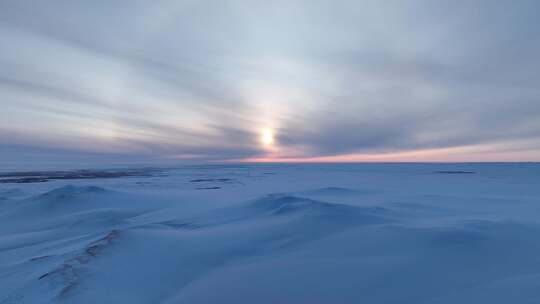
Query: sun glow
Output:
(267,137)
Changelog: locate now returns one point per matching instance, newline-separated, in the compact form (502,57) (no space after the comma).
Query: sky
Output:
(262,81)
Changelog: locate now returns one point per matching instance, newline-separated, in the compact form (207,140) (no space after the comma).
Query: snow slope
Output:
(334,233)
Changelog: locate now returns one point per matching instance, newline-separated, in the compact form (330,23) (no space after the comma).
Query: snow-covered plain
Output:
(333,233)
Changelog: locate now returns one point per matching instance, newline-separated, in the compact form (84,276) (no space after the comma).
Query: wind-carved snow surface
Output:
(371,233)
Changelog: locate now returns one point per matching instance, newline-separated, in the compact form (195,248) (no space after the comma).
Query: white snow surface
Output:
(310,233)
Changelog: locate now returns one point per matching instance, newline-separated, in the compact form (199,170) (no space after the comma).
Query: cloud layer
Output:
(199,80)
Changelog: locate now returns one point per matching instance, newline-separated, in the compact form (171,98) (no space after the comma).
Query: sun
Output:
(267,137)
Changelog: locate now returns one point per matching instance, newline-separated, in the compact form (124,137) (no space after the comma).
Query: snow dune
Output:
(303,234)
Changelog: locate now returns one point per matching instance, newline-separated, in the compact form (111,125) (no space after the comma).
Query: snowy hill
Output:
(402,233)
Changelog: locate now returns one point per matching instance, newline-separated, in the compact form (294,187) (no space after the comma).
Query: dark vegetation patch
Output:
(208,188)
(40,258)
(143,183)
(68,272)
(202,180)
(24,180)
(45,176)
(455,172)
